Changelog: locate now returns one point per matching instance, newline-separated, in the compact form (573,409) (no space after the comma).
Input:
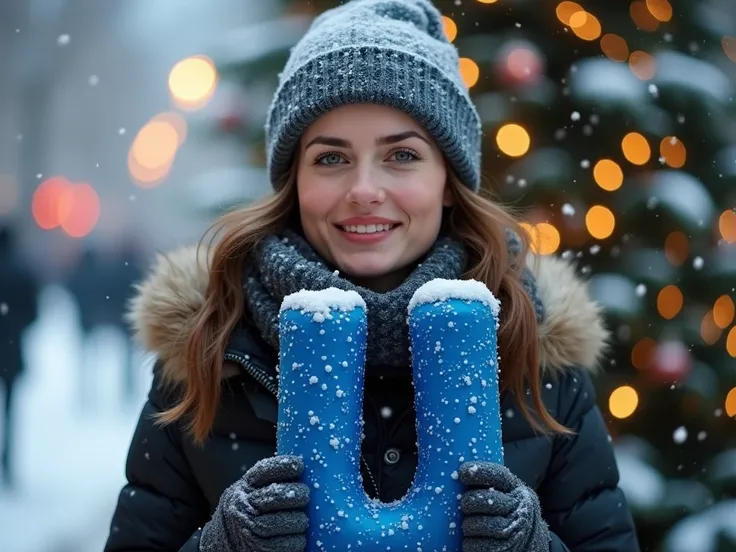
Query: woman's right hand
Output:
(261,512)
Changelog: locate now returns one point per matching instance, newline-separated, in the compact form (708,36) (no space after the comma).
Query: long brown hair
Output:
(474,219)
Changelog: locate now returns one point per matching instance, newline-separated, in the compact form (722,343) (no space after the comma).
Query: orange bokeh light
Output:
(45,202)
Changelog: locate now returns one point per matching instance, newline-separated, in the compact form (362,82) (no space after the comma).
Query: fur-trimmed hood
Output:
(572,332)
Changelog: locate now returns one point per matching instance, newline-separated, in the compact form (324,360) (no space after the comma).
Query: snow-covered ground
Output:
(69,462)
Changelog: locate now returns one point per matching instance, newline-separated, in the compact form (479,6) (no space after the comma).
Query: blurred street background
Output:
(127,126)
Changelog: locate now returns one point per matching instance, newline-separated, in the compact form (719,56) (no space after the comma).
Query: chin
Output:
(365,265)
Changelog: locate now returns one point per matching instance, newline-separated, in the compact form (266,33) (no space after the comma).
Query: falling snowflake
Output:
(679,436)
(568,210)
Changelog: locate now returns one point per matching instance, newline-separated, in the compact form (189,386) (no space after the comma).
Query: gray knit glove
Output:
(501,513)
(263,511)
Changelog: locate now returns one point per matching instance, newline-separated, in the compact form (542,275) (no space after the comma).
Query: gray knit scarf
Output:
(286,264)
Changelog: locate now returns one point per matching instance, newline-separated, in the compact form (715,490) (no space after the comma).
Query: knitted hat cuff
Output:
(375,75)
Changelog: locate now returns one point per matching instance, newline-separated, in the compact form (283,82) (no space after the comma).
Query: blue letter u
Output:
(452,326)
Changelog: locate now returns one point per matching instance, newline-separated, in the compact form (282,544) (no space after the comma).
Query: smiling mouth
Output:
(367,228)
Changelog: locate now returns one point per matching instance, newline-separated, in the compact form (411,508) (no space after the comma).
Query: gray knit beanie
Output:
(388,52)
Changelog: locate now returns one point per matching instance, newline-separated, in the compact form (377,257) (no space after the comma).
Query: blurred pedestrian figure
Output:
(18,310)
(101,283)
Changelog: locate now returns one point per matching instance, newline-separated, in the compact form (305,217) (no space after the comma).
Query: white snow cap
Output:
(323,301)
(466,290)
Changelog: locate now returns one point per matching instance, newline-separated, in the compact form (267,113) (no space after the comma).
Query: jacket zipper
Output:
(261,377)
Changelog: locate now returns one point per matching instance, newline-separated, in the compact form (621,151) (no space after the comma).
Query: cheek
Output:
(314,203)
(420,203)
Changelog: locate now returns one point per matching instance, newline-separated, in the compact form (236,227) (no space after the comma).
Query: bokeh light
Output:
(661,9)
(600,221)
(723,311)
(45,202)
(79,210)
(669,301)
(608,175)
(192,82)
(623,401)
(469,71)
(154,149)
(642,17)
(544,238)
(513,140)
(585,25)
(676,248)
(727,225)
(673,151)
(730,402)
(642,353)
(731,342)
(614,47)
(636,148)
(642,65)
(450,28)
(710,333)
(566,10)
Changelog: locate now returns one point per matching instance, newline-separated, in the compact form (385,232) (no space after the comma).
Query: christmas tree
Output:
(610,127)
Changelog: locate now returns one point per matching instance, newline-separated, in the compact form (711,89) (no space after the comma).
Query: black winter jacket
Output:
(174,486)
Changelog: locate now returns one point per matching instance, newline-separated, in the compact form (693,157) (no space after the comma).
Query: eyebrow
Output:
(382,141)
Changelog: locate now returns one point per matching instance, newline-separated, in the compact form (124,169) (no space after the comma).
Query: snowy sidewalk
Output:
(69,465)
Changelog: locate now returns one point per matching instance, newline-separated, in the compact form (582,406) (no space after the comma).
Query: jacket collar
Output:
(571,334)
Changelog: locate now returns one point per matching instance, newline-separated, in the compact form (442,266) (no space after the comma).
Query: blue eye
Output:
(329,158)
(405,156)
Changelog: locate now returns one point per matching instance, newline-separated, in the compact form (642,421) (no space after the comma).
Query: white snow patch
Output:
(442,290)
(323,301)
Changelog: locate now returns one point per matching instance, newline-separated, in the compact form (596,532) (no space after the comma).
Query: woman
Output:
(373,151)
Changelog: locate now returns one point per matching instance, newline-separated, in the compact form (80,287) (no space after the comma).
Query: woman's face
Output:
(372,186)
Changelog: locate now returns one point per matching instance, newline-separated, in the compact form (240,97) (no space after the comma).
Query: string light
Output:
(614,47)
(641,353)
(642,16)
(709,330)
(600,221)
(565,11)
(544,238)
(669,301)
(727,225)
(730,402)
(642,65)
(154,148)
(661,9)
(450,28)
(673,151)
(469,71)
(623,401)
(723,311)
(676,248)
(192,82)
(731,342)
(513,140)
(636,148)
(608,175)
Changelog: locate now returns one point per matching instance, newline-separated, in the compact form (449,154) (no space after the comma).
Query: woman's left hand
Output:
(501,513)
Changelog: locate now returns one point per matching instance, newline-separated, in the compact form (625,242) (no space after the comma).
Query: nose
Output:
(365,189)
